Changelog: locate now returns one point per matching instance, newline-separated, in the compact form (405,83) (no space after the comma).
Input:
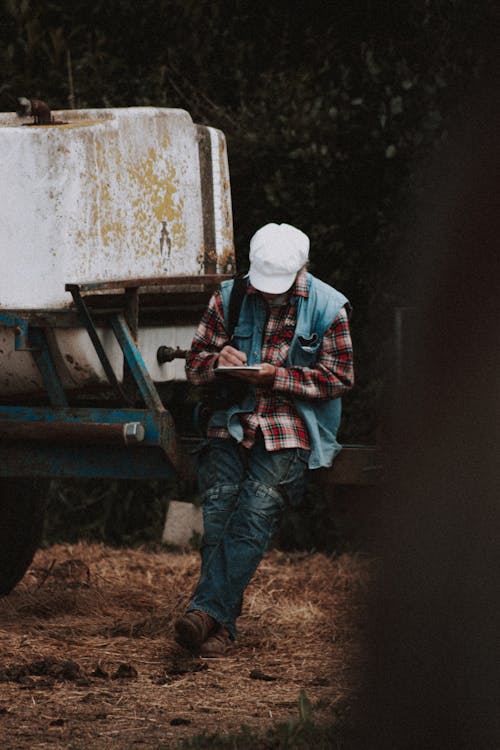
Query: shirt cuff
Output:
(283,381)
(204,372)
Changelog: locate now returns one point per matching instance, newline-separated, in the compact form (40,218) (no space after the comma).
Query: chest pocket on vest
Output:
(304,350)
(242,336)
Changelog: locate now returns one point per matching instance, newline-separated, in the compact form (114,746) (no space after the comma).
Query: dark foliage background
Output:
(330,110)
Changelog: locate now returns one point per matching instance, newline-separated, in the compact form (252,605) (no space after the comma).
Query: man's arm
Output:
(331,376)
(333,373)
(209,338)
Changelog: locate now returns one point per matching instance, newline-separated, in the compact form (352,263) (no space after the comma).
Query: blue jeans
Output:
(243,494)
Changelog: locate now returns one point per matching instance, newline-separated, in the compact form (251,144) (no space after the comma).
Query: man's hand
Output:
(229,356)
(264,376)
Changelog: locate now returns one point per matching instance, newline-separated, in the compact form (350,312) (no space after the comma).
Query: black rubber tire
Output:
(22,511)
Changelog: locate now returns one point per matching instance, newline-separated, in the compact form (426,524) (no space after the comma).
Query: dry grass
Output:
(88,659)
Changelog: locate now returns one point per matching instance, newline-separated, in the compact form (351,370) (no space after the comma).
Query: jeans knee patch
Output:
(258,512)
(261,498)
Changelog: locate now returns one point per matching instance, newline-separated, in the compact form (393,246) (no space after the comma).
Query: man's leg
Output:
(220,472)
(249,521)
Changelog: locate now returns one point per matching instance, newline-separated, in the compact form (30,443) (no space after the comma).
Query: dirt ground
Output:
(88,658)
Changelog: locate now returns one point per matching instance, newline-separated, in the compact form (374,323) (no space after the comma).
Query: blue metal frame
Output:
(154,457)
(136,363)
(45,363)
(20,326)
(55,459)
(52,460)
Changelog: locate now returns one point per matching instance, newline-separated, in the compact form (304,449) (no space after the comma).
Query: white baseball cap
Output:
(277,253)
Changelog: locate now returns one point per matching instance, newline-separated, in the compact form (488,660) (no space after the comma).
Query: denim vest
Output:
(315,314)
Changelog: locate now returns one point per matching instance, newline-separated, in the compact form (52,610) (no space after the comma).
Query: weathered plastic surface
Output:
(110,194)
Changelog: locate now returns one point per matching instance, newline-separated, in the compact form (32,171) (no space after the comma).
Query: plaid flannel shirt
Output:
(274,414)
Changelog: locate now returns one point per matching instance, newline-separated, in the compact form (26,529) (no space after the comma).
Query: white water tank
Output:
(99,195)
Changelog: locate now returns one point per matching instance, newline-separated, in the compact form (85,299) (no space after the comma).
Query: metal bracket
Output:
(43,358)
(94,337)
(125,328)
(146,386)
(21,329)
(32,339)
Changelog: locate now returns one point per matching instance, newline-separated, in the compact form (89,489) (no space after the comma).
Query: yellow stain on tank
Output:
(157,195)
(129,192)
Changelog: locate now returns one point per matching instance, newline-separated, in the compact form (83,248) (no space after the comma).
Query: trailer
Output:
(115,228)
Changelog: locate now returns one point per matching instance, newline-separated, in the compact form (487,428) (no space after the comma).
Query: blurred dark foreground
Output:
(434,673)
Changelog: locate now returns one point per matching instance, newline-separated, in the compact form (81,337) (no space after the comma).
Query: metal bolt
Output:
(133,432)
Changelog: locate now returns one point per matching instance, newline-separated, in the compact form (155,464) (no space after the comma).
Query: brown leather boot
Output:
(193,628)
(217,645)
